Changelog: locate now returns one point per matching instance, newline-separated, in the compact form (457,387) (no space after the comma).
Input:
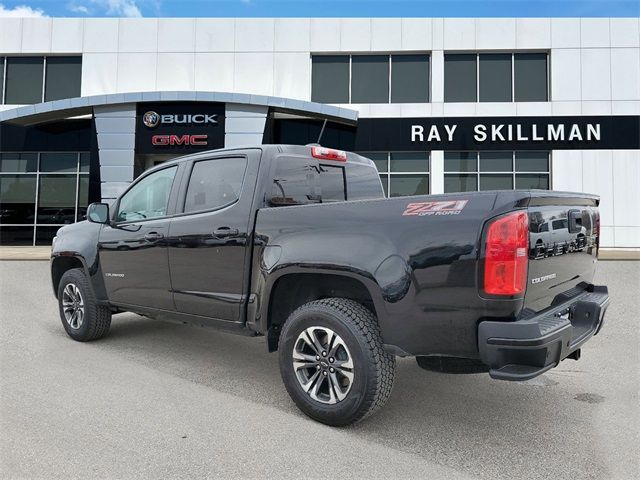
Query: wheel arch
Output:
(294,289)
(62,264)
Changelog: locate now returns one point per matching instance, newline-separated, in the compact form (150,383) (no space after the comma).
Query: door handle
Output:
(152,236)
(225,232)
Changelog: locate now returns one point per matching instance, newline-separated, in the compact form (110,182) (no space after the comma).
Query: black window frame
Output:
(4,62)
(37,172)
(513,55)
(390,56)
(515,173)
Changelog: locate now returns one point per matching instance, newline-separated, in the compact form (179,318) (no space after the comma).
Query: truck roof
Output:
(273,149)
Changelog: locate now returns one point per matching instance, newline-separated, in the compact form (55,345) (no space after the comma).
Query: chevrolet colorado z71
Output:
(299,244)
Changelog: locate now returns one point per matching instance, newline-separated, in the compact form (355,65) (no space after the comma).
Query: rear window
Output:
(302,180)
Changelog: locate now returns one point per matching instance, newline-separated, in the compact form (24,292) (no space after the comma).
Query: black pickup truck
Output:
(299,244)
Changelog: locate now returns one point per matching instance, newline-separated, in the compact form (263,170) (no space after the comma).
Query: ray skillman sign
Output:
(182,127)
(498,133)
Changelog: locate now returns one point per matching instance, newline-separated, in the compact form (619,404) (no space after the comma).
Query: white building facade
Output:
(441,105)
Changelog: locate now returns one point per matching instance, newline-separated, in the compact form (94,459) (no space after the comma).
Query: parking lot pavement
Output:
(160,400)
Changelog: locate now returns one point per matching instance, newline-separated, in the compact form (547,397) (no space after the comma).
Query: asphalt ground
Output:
(161,400)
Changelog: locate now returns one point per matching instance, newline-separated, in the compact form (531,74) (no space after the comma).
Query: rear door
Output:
(209,238)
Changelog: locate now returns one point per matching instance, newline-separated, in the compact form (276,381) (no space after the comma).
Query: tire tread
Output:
(364,322)
(98,316)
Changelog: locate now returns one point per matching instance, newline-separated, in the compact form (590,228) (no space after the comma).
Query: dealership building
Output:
(440,105)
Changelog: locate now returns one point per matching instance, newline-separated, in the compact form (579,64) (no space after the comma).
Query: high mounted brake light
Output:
(506,255)
(323,153)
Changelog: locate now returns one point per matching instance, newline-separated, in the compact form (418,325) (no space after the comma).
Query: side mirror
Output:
(98,213)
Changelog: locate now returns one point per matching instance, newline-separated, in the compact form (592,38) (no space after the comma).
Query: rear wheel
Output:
(82,318)
(333,363)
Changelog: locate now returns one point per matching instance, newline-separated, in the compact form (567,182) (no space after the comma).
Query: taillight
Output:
(506,255)
(329,154)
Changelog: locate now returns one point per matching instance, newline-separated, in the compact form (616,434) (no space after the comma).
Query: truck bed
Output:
(423,254)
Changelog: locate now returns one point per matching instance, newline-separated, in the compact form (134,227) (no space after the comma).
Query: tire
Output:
(357,337)
(75,293)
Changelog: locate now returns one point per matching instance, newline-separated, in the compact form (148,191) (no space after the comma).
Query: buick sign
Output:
(180,127)
(151,119)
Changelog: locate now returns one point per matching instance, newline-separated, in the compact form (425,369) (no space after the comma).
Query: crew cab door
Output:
(133,249)
(210,235)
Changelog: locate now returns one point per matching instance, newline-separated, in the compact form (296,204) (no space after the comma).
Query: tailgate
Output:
(563,245)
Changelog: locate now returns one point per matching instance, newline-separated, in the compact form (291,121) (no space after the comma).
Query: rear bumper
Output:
(526,348)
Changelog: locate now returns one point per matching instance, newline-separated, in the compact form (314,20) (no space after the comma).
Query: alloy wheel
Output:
(323,365)
(73,306)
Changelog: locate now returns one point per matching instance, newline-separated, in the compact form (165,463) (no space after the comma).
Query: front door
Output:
(208,240)
(133,250)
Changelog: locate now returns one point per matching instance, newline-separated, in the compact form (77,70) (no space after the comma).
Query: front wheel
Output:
(333,363)
(82,317)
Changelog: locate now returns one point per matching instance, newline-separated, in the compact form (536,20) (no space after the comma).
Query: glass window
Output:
(370,79)
(460,183)
(62,78)
(13,235)
(526,182)
(57,199)
(44,235)
(559,224)
(409,78)
(148,198)
(300,181)
(215,183)
(530,72)
(460,77)
(332,184)
(385,184)
(393,181)
(58,187)
(330,79)
(403,185)
(409,162)
(532,161)
(379,158)
(495,171)
(85,161)
(495,77)
(17,199)
(18,162)
(295,182)
(460,162)
(83,196)
(496,182)
(496,161)
(58,162)
(24,80)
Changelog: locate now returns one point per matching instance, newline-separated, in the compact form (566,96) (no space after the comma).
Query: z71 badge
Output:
(445,207)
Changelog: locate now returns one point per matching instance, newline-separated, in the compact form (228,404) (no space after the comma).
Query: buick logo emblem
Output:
(151,119)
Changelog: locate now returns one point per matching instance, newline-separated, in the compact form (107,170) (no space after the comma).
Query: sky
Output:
(320,8)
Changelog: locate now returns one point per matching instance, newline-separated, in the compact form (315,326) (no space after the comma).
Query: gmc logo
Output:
(165,140)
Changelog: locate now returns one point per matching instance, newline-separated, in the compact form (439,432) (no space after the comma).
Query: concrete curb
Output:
(25,253)
(44,253)
(619,254)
